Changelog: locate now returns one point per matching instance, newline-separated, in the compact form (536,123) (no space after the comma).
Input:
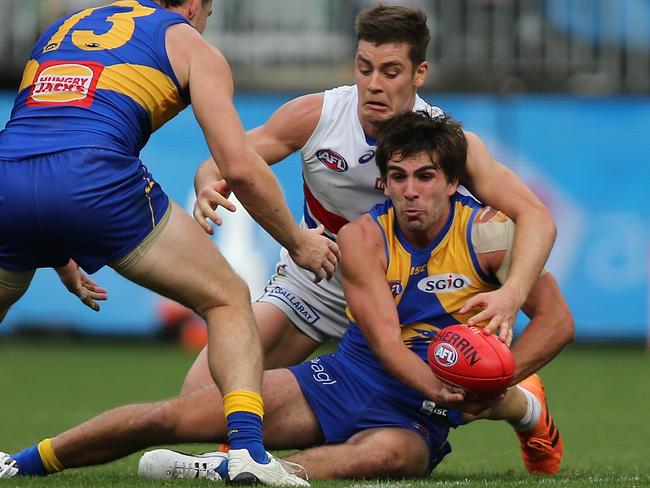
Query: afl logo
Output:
(444,283)
(396,287)
(332,160)
(445,355)
(367,156)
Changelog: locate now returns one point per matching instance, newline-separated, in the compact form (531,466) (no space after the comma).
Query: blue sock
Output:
(245,432)
(29,462)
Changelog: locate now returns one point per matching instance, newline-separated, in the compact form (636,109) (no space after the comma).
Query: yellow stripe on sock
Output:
(243,401)
(50,461)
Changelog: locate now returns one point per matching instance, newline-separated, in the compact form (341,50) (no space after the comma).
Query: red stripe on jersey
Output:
(330,220)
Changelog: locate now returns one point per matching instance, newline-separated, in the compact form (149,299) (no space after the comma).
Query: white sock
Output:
(533,412)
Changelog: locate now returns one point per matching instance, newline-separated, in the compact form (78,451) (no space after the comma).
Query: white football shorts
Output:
(317,309)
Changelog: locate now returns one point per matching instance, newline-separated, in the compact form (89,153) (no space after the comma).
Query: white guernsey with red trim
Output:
(341,183)
(341,180)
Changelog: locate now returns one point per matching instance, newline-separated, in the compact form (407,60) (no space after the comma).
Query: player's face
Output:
(200,19)
(386,80)
(420,193)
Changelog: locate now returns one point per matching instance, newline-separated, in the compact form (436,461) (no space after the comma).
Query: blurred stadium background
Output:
(559,90)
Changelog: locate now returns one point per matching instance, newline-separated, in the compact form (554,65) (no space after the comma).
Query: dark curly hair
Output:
(413,133)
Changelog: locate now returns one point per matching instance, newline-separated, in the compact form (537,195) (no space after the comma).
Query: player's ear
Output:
(452,186)
(421,74)
(193,7)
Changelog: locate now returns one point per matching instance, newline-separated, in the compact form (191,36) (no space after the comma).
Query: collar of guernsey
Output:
(98,78)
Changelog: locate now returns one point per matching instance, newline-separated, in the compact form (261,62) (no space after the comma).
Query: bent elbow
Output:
(546,220)
(568,328)
(237,178)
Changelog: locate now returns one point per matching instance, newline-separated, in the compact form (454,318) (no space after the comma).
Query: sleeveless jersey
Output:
(98,78)
(341,180)
(429,287)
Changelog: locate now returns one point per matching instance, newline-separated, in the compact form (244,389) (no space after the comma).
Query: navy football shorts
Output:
(90,205)
(344,404)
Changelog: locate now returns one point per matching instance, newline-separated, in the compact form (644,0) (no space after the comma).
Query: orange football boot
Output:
(541,447)
(223,447)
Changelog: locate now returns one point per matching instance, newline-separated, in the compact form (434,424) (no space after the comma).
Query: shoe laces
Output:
(293,468)
(539,444)
(194,469)
(8,466)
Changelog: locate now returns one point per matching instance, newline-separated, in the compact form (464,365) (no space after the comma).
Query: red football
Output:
(465,357)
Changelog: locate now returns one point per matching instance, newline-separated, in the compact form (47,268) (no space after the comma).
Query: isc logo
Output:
(444,283)
(445,354)
(332,160)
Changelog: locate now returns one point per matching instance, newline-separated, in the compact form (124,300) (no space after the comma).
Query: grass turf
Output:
(599,396)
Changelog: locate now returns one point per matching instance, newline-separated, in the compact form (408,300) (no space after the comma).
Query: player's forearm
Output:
(207,173)
(259,192)
(407,367)
(543,339)
(534,238)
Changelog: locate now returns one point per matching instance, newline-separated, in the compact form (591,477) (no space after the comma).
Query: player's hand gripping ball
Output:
(478,363)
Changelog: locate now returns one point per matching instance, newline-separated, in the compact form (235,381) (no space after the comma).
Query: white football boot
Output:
(168,464)
(243,470)
(8,468)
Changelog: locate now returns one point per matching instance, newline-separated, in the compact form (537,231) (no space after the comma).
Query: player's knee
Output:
(233,292)
(158,423)
(397,462)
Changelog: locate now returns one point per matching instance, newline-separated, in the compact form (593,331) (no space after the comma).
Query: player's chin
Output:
(378,116)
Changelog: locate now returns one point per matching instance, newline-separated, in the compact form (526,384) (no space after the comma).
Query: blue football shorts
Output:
(345,404)
(91,205)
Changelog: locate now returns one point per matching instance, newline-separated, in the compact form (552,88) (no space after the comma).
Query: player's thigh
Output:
(388,452)
(183,264)
(13,285)
(284,345)
(289,422)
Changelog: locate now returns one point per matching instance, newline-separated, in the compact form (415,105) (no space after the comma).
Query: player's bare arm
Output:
(286,131)
(373,308)
(205,71)
(497,186)
(551,325)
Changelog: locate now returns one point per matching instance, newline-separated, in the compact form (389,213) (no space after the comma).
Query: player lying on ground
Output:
(335,133)
(74,191)
(373,408)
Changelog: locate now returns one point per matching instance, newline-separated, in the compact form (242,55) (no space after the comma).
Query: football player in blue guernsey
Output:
(73,192)
(373,408)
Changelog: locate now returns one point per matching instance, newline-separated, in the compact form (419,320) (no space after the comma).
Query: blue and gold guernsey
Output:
(429,286)
(349,390)
(98,83)
(99,78)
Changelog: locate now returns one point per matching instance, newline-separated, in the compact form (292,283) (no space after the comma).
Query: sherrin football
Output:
(465,357)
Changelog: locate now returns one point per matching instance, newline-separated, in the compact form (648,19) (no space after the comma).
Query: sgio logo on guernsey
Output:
(444,283)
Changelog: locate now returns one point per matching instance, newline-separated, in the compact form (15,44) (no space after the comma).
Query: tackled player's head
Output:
(413,133)
(420,159)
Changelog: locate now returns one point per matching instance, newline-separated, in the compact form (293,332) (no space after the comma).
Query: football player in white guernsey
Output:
(353,418)
(335,133)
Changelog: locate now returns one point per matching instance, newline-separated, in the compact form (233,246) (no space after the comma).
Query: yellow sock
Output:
(50,461)
(243,401)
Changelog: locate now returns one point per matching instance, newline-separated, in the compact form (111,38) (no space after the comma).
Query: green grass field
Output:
(600,397)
